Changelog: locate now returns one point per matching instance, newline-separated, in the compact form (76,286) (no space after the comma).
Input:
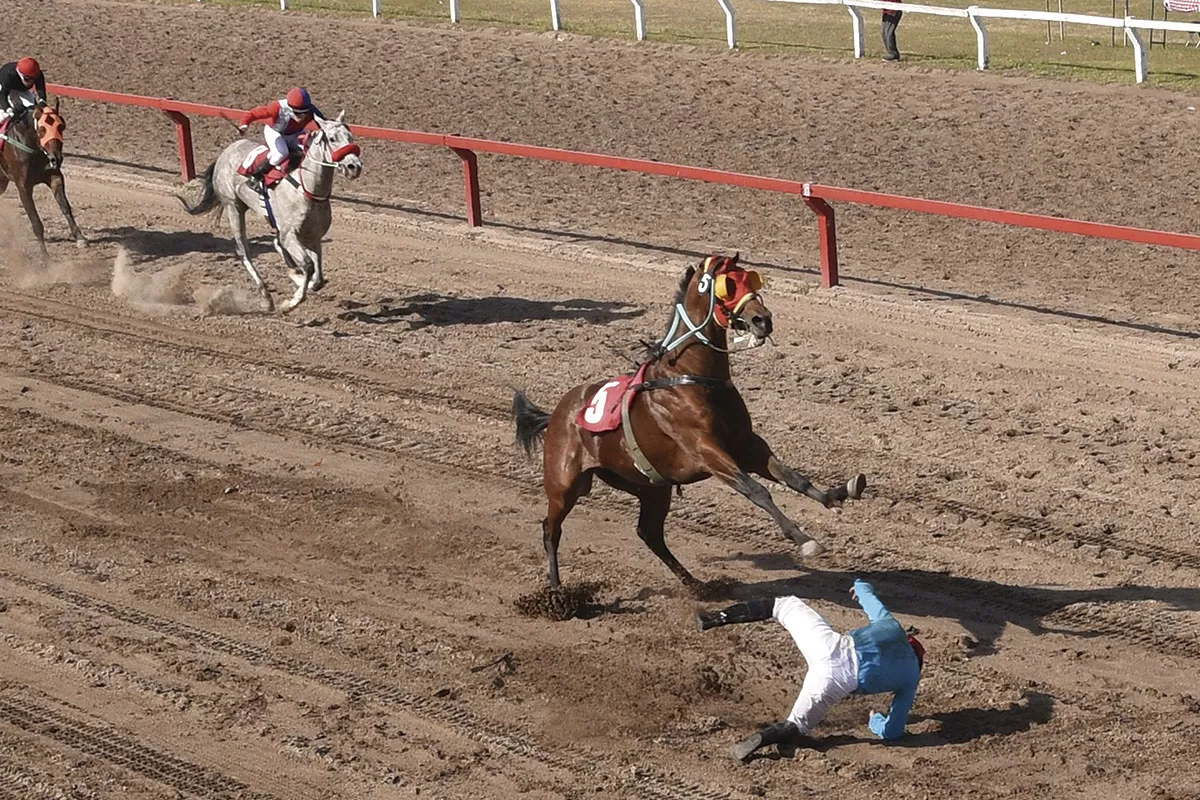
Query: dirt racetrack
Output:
(251,556)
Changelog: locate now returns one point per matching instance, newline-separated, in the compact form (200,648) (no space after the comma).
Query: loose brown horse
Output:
(33,155)
(687,423)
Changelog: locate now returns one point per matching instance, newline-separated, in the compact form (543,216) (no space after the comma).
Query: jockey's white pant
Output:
(832,662)
(281,146)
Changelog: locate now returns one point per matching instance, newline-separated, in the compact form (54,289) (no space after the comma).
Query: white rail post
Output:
(555,17)
(730,29)
(454,11)
(857,21)
(1141,61)
(981,38)
(376,8)
(639,19)
(283,5)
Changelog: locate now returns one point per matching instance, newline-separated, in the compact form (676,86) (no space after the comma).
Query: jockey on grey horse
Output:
(295,201)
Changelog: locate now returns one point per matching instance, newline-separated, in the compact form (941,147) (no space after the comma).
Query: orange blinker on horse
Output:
(677,421)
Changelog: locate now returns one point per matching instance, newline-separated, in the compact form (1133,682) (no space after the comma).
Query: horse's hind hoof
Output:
(81,243)
(856,486)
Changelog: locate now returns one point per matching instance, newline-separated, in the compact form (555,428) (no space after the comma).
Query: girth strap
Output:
(639,458)
(684,380)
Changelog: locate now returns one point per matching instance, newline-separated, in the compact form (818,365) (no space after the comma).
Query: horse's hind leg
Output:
(35,221)
(59,187)
(560,500)
(236,217)
(758,459)
(656,502)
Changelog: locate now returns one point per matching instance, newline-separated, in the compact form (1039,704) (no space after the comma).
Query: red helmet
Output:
(919,650)
(298,99)
(29,70)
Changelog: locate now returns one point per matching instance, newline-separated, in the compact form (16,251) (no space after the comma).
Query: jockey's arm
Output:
(39,86)
(9,82)
(265,113)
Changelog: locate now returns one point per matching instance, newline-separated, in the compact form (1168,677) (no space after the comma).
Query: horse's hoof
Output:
(856,486)
(81,243)
(811,548)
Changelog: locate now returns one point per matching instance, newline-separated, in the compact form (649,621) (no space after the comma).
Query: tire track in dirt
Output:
(164,336)
(464,722)
(106,743)
(151,333)
(246,410)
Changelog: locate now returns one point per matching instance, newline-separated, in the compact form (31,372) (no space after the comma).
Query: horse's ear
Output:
(736,256)
(341,117)
(56,102)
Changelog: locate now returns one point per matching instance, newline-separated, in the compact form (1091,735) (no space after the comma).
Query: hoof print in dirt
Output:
(560,604)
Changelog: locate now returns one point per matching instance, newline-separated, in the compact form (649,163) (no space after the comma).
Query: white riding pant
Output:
(281,146)
(832,662)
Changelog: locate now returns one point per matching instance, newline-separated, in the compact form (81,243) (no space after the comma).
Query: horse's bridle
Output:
(335,161)
(706,284)
(24,148)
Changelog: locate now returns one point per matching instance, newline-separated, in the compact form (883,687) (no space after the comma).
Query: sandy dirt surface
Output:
(252,556)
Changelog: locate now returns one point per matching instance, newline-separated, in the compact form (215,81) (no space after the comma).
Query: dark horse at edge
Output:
(688,423)
(32,155)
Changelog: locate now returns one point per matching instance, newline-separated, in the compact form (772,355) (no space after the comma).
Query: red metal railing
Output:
(816,196)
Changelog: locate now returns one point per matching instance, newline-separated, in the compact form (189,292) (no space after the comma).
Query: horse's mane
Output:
(654,350)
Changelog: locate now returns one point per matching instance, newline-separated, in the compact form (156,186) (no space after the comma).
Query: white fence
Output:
(976,15)
(1132,26)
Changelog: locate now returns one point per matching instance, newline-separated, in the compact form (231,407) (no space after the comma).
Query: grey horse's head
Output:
(343,152)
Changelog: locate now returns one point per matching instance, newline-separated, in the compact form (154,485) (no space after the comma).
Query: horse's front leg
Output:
(758,459)
(300,266)
(723,466)
(35,221)
(59,187)
(317,281)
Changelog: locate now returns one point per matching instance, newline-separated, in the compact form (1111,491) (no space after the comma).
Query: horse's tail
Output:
(208,199)
(531,421)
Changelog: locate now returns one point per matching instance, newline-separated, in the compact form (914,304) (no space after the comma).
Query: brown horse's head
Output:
(714,298)
(738,306)
(50,128)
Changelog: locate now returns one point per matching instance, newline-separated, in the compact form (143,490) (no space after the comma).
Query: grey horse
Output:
(299,203)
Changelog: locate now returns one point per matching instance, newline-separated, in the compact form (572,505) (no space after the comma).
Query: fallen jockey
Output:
(285,121)
(878,658)
(22,87)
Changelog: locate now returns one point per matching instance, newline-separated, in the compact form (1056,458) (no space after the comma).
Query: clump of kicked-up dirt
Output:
(564,603)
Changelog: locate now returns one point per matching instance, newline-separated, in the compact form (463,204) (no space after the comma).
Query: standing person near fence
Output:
(891,20)
(878,658)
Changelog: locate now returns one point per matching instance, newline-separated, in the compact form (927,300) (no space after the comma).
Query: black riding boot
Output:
(255,179)
(781,733)
(750,611)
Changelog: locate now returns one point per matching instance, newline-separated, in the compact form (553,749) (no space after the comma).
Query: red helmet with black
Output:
(29,70)
(298,100)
